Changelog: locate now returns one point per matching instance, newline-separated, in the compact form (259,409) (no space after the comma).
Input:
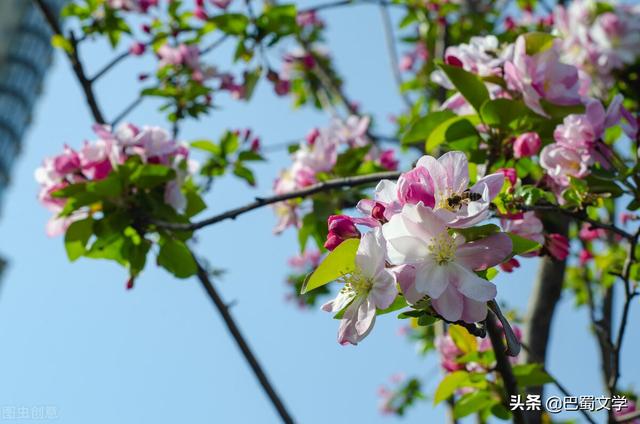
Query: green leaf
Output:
(449,384)
(536,42)
(422,127)
(502,112)
(477,233)
(229,143)
(473,402)
(77,237)
(280,20)
(231,23)
(598,185)
(456,129)
(349,161)
(522,245)
(339,262)
(531,375)
(176,258)
(207,146)
(397,304)
(244,173)
(469,85)
(466,342)
(561,111)
(152,175)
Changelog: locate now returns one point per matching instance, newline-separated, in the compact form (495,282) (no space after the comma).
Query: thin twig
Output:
(342,3)
(249,356)
(106,68)
(503,366)
(260,202)
(630,293)
(393,53)
(579,216)
(76,64)
(134,104)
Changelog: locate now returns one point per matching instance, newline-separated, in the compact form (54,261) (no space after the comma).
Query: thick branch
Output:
(543,300)
(249,356)
(76,64)
(630,293)
(260,202)
(503,366)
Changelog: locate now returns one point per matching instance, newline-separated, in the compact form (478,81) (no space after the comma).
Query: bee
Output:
(457,200)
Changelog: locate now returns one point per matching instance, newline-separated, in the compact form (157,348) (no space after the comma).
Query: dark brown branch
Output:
(342,3)
(76,64)
(503,366)
(249,356)
(106,68)
(630,293)
(580,216)
(260,202)
(127,110)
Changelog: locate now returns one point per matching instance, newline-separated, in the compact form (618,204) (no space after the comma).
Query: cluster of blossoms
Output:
(417,243)
(141,6)
(316,158)
(599,37)
(98,158)
(541,78)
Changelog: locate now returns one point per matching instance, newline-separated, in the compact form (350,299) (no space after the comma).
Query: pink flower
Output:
(341,227)
(625,217)
(527,226)
(627,409)
(444,264)
(557,245)
(562,162)
(454,202)
(542,76)
(68,162)
(308,259)
(95,159)
(527,144)
(309,19)
(371,286)
(449,353)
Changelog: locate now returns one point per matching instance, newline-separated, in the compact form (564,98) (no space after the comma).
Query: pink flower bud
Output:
(388,160)
(557,245)
(406,62)
(510,174)
(627,216)
(585,256)
(282,87)
(312,136)
(588,233)
(509,23)
(200,13)
(255,145)
(341,227)
(510,265)
(222,4)
(137,48)
(377,212)
(453,61)
(527,144)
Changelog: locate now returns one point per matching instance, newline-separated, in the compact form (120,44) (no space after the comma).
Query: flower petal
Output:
(450,304)
(432,279)
(494,182)
(456,166)
(484,253)
(474,287)
(474,311)
(384,289)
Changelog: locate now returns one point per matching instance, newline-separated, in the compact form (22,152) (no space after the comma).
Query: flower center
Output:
(443,248)
(356,283)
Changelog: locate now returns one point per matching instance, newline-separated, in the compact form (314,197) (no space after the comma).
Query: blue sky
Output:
(74,338)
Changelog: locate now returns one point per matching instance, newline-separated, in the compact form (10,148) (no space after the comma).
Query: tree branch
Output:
(260,202)
(393,53)
(630,293)
(76,64)
(503,366)
(249,356)
(580,216)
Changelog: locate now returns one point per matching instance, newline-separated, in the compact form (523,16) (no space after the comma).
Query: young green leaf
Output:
(340,261)
(469,85)
(176,258)
(449,384)
(76,238)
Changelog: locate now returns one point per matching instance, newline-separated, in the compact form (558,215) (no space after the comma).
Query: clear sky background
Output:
(73,337)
